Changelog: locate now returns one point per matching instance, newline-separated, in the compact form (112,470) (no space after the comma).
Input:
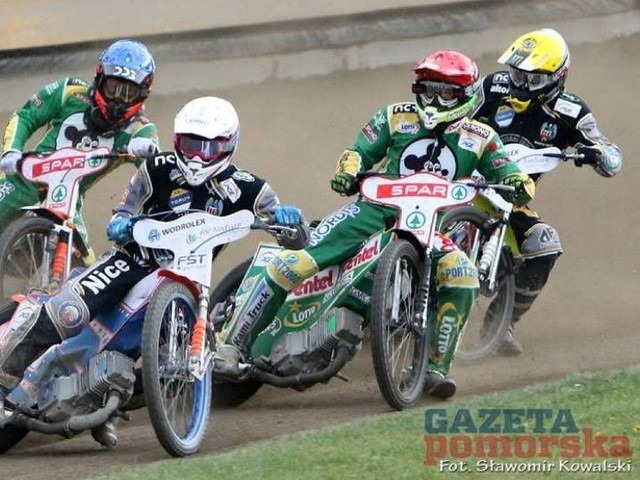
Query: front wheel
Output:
(25,261)
(491,314)
(398,345)
(178,403)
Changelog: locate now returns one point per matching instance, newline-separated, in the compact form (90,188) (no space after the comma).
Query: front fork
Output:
(422,297)
(201,354)
(59,243)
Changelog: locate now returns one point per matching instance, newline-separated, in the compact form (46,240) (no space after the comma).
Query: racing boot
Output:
(226,362)
(439,385)
(105,434)
(510,346)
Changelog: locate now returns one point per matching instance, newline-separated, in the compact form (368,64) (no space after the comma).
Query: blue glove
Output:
(120,229)
(288,215)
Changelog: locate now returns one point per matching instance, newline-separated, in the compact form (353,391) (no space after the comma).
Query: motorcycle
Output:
(41,245)
(385,287)
(89,378)
(482,231)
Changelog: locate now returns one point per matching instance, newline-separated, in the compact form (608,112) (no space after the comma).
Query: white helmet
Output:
(206,133)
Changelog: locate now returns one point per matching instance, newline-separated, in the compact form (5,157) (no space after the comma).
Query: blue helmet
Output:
(122,83)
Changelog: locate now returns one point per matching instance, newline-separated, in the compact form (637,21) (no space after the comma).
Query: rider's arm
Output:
(137,194)
(587,134)
(143,128)
(494,165)
(40,109)
(371,143)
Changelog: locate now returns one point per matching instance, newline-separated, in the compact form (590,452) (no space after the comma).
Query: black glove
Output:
(592,156)
(344,184)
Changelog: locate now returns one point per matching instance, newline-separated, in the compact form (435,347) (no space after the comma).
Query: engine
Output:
(85,392)
(312,350)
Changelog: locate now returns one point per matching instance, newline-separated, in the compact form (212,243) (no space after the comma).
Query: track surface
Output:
(292,134)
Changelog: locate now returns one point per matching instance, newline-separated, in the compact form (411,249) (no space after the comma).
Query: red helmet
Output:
(446,87)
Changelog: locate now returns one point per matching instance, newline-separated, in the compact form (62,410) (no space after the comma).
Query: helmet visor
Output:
(531,81)
(123,90)
(207,150)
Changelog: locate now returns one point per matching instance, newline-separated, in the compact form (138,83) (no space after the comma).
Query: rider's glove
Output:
(142,147)
(525,188)
(592,156)
(10,162)
(287,215)
(120,229)
(344,184)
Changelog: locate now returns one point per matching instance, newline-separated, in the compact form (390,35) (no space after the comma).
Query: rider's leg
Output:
(66,313)
(540,247)
(456,290)
(336,238)
(90,258)
(15,193)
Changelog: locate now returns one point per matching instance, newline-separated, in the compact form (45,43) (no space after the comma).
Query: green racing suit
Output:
(60,108)
(396,143)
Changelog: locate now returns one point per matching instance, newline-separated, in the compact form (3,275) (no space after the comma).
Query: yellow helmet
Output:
(538,65)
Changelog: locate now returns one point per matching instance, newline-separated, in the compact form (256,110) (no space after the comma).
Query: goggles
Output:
(207,150)
(117,89)
(446,94)
(531,80)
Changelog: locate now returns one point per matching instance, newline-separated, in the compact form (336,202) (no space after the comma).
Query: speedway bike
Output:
(482,231)
(89,378)
(41,245)
(385,287)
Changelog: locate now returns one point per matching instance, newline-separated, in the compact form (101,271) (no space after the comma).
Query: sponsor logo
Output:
(59,165)
(231,189)
(408,127)
(366,253)
(36,101)
(174,173)
(180,199)
(444,333)
(501,89)
(243,176)
(69,314)
(567,108)
(163,159)
(319,283)
(299,313)
(413,190)
(6,188)
(101,277)
(191,260)
(370,133)
(501,77)
(404,108)
(548,132)
(154,235)
(183,226)
(475,129)
(59,193)
(265,257)
(416,220)
(329,223)
(360,296)
(213,206)
(504,116)
(256,304)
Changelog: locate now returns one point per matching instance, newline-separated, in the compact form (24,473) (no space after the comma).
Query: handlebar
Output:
(565,156)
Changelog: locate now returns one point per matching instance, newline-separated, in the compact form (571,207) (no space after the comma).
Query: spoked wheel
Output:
(25,262)
(231,394)
(398,345)
(178,403)
(10,435)
(491,314)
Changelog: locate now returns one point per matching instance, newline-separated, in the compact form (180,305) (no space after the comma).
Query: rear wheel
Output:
(178,403)
(231,394)
(491,314)
(398,345)
(25,262)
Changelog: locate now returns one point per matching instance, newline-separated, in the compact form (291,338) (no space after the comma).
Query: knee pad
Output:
(290,267)
(540,240)
(68,311)
(456,270)
(21,323)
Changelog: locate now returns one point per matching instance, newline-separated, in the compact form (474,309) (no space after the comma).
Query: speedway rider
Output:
(528,104)
(198,175)
(432,134)
(107,113)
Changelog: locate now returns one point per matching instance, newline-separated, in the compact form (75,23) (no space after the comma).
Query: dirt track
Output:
(292,134)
